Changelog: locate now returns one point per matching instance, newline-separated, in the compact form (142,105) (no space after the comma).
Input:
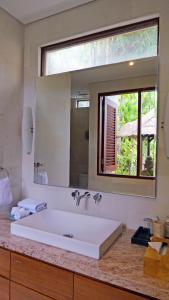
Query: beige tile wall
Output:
(11,96)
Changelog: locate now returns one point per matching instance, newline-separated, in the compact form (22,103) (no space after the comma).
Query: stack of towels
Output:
(26,207)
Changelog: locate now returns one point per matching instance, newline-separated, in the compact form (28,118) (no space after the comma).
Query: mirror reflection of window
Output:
(148,133)
(127,133)
(82,103)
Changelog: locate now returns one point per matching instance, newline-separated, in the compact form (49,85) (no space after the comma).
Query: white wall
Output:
(11,87)
(92,17)
(52,142)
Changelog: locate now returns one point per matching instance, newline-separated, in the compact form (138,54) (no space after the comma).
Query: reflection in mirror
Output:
(74,146)
(79,140)
(52,130)
(127,133)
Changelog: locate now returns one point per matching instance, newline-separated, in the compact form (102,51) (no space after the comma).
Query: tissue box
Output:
(155,264)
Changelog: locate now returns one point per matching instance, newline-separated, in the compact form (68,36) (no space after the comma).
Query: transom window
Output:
(128,133)
(121,44)
(82,103)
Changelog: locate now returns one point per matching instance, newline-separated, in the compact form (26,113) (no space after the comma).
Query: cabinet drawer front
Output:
(4,262)
(19,292)
(4,289)
(48,280)
(89,289)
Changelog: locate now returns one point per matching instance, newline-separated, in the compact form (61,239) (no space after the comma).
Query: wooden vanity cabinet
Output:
(85,288)
(19,292)
(24,278)
(4,263)
(4,289)
(4,274)
(41,277)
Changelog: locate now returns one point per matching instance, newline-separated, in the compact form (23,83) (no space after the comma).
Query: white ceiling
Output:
(32,10)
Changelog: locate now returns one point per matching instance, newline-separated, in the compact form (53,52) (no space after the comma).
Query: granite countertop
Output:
(121,266)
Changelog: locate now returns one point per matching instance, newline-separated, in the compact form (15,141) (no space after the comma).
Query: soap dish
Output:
(141,236)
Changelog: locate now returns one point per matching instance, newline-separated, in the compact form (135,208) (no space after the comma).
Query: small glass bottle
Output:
(158,228)
(167,227)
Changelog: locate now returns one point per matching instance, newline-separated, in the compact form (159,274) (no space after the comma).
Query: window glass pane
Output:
(82,104)
(117,48)
(126,106)
(148,133)
(127,127)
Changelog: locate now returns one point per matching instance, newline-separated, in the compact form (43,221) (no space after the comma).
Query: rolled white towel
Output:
(32,205)
(18,213)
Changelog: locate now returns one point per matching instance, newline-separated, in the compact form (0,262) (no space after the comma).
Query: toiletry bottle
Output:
(167,227)
(149,224)
(158,228)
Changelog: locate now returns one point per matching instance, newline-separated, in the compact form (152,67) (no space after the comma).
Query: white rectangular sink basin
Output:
(87,235)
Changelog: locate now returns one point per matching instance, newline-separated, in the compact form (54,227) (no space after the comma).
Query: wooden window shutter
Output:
(109,136)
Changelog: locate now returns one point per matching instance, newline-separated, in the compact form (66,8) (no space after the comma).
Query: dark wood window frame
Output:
(96,36)
(100,138)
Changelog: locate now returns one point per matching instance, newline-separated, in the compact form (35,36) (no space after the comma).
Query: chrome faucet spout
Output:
(86,195)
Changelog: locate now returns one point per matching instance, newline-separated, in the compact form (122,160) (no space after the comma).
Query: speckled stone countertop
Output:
(121,266)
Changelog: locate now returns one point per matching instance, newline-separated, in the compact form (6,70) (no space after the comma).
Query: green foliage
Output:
(127,147)
(127,108)
(148,101)
(152,152)
(136,43)
(127,157)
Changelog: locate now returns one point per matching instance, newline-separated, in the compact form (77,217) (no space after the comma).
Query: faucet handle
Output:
(87,195)
(75,194)
(97,198)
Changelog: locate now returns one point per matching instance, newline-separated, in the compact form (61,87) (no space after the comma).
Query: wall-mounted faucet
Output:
(76,196)
(97,198)
(86,195)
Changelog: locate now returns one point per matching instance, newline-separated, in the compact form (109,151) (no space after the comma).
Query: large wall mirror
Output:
(97,128)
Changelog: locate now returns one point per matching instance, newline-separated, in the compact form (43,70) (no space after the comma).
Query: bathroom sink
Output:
(87,235)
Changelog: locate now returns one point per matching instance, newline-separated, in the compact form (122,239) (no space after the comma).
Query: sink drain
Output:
(68,235)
